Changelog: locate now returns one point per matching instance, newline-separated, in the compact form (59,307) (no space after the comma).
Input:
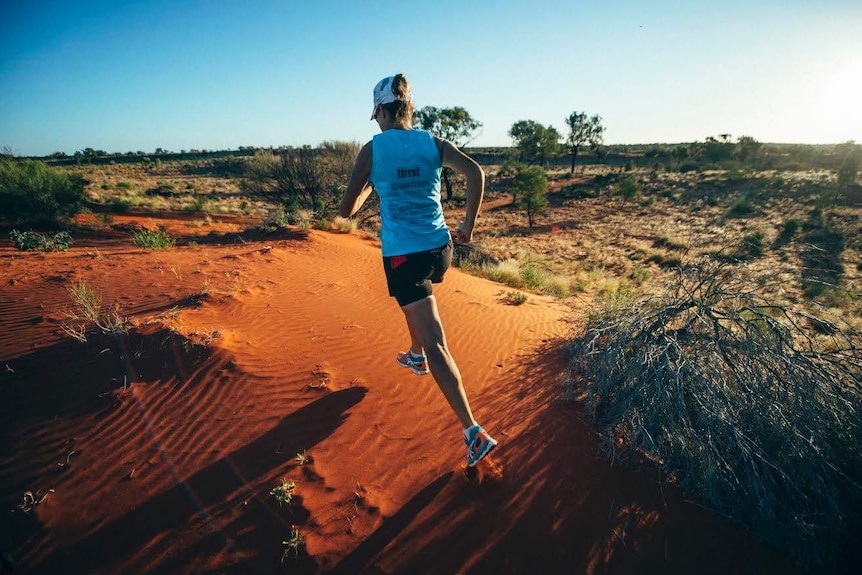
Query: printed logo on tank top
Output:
(409,179)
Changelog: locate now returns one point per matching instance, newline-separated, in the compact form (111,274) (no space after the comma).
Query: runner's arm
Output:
(454,158)
(358,188)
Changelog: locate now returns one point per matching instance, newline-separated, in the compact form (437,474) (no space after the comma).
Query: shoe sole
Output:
(483,456)
(413,369)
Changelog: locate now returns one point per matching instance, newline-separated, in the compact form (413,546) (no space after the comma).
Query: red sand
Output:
(158,453)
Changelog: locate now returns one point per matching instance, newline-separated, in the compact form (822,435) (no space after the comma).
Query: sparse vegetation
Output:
(294,541)
(284,493)
(87,313)
(767,452)
(514,298)
(628,188)
(30,241)
(153,240)
(344,225)
(33,194)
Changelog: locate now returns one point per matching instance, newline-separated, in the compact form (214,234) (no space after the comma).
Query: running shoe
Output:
(417,363)
(479,444)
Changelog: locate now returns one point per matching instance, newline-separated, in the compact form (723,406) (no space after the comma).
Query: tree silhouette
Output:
(583,130)
(453,124)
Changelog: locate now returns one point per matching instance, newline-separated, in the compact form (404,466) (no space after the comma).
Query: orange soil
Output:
(158,449)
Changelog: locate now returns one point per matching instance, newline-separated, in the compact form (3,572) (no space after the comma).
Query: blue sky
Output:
(136,75)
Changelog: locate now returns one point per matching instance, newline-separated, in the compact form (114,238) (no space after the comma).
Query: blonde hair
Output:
(402,108)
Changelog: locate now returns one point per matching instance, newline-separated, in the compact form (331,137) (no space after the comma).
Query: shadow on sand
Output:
(228,482)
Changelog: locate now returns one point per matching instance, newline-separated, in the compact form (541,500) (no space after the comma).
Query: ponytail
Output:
(402,108)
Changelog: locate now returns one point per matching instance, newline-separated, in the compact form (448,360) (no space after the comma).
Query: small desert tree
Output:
(529,187)
(453,124)
(535,142)
(583,130)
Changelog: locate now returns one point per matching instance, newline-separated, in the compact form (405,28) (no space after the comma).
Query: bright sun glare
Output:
(840,105)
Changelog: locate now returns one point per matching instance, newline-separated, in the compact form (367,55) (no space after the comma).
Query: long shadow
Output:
(391,528)
(190,499)
(250,235)
(70,379)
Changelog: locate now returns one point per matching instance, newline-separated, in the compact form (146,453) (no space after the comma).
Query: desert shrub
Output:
(789,228)
(506,272)
(275,219)
(30,241)
(529,187)
(153,240)
(87,313)
(514,298)
(32,194)
(532,276)
(303,178)
(197,206)
(558,286)
(748,404)
(740,207)
(689,166)
(344,225)
(121,206)
(303,219)
(124,185)
(528,275)
(751,246)
(639,276)
(849,166)
(629,188)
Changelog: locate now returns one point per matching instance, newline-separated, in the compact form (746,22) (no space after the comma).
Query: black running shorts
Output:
(410,276)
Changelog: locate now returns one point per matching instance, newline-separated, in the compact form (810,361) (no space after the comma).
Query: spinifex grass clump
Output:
(88,313)
(284,492)
(753,406)
(153,240)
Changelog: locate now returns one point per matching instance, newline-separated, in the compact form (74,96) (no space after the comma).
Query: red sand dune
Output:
(158,453)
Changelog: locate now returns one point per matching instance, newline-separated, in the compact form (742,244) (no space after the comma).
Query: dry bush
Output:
(753,406)
(88,314)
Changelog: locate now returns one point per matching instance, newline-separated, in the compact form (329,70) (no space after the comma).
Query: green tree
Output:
(534,141)
(583,129)
(530,186)
(32,194)
(453,124)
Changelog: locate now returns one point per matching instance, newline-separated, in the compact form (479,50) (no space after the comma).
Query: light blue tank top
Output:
(405,173)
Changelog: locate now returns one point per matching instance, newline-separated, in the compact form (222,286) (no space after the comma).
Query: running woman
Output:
(403,166)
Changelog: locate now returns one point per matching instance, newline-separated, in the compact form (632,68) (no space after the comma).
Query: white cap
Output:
(383,93)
